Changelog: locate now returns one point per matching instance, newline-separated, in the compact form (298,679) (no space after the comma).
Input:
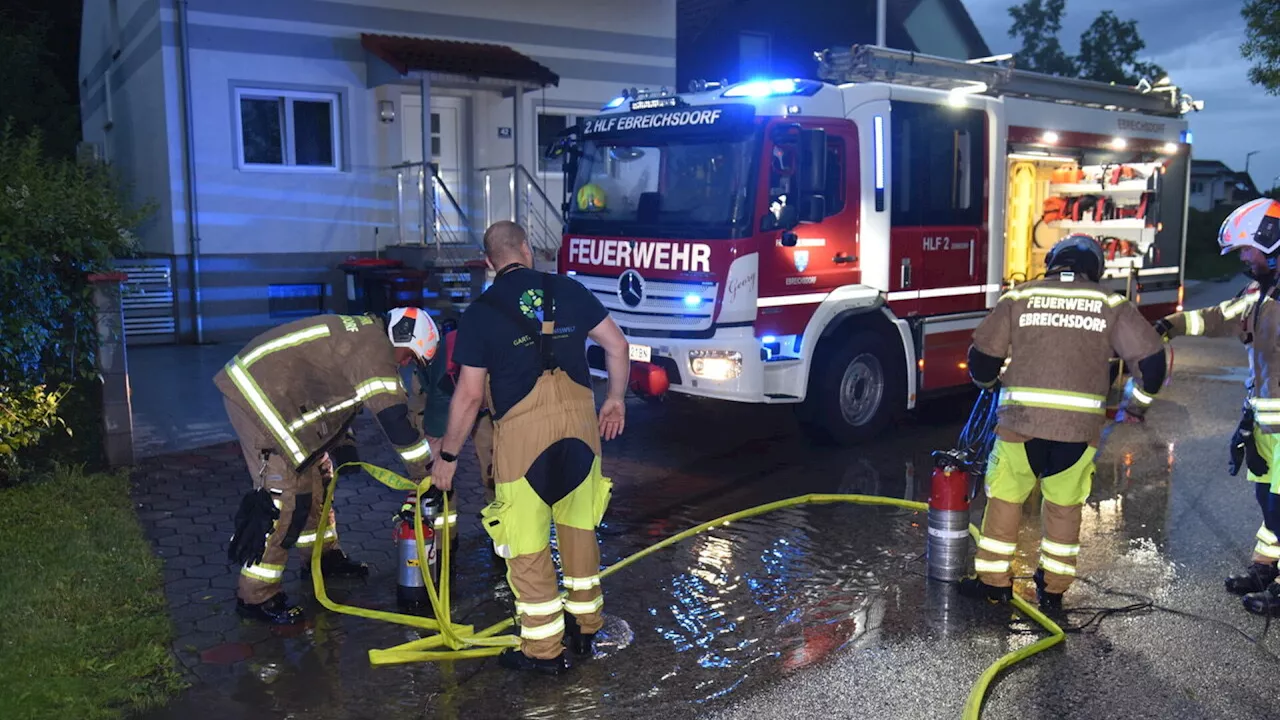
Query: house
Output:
(739,39)
(279,138)
(1214,184)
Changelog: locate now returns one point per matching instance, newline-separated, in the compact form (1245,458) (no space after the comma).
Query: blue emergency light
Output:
(757,89)
(616,102)
(692,300)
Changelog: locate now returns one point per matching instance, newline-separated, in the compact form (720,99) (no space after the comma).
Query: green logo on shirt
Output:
(531,304)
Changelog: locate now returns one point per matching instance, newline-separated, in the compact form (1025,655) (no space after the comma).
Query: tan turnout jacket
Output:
(1059,335)
(305,381)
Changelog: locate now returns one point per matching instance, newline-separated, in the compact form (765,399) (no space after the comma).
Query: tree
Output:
(1262,43)
(1109,52)
(34,96)
(1108,49)
(1037,23)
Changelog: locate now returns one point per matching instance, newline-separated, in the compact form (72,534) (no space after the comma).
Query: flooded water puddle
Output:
(735,607)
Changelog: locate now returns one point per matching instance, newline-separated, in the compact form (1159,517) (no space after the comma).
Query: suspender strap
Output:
(545,340)
(543,332)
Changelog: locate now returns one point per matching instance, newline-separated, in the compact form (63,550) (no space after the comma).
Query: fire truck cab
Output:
(833,243)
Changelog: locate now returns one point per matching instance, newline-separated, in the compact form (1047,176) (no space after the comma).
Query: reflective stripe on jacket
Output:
(306,380)
(1242,317)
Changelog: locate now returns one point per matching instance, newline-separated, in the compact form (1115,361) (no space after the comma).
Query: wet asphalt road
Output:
(825,611)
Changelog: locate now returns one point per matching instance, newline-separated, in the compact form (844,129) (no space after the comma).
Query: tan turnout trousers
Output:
(546,467)
(259,582)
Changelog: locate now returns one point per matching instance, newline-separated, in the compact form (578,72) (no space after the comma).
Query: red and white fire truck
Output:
(833,243)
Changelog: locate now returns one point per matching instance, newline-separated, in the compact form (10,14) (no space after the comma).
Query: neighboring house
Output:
(1213,184)
(740,39)
(297,108)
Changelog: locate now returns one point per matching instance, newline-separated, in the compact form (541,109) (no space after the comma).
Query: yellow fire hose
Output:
(464,642)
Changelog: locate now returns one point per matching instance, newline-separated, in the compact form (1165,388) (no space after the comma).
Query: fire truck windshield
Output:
(663,187)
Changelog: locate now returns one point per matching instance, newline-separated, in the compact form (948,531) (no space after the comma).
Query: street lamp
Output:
(1248,155)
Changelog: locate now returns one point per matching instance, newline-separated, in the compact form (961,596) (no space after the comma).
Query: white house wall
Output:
(261,228)
(135,141)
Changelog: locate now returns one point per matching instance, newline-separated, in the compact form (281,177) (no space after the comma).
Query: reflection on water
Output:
(719,613)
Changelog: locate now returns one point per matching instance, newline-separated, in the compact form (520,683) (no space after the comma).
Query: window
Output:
(690,188)
(753,55)
(286,129)
(550,125)
(295,300)
(783,170)
(435,137)
(1197,187)
(938,165)
(835,176)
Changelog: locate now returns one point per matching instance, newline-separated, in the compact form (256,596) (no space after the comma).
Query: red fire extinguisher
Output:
(948,542)
(411,591)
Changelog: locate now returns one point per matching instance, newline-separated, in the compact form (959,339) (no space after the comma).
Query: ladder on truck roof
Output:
(870,63)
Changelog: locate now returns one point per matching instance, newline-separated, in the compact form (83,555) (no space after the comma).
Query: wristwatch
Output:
(447,456)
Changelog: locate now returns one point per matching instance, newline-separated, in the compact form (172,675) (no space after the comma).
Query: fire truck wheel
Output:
(854,392)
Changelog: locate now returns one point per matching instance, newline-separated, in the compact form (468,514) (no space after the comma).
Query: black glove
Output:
(1163,326)
(301,509)
(1244,449)
(255,520)
(1240,440)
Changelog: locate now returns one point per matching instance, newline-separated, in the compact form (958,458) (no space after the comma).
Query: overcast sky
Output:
(1198,43)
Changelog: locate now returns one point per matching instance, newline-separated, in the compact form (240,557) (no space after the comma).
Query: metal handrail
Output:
(435,173)
(522,170)
(533,182)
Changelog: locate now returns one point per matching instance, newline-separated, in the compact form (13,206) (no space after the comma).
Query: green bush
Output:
(59,222)
(24,420)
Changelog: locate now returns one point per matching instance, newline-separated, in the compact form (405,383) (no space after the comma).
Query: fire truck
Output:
(832,243)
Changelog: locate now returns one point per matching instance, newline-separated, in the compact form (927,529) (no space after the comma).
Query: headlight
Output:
(715,364)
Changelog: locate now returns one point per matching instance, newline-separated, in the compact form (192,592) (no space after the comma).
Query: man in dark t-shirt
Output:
(487,339)
(523,344)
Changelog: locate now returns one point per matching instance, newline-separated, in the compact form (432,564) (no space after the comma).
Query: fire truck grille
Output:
(664,304)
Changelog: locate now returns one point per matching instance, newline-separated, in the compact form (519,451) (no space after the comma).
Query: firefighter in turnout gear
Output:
(1253,229)
(522,350)
(292,394)
(1058,334)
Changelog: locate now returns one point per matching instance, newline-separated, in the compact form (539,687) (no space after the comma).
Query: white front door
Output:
(446,151)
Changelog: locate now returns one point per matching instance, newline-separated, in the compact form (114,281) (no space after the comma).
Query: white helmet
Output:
(411,327)
(1254,224)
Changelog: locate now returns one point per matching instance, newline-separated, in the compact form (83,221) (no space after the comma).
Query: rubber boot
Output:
(579,642)
(1264,602)
(1049,602)
(513,659)
(336,564)
(1255,578)
(274,611)
(973,587)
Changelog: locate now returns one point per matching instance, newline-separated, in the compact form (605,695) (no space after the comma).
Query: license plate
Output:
(641,353)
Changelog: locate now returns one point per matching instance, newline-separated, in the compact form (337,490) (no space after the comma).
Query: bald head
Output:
(505,242)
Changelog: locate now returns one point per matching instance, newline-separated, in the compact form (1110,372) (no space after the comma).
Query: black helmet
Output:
(1076,253)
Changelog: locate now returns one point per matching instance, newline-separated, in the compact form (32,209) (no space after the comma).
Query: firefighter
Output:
(1253,229)
(292,394)
(1059,333)
(522,351)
